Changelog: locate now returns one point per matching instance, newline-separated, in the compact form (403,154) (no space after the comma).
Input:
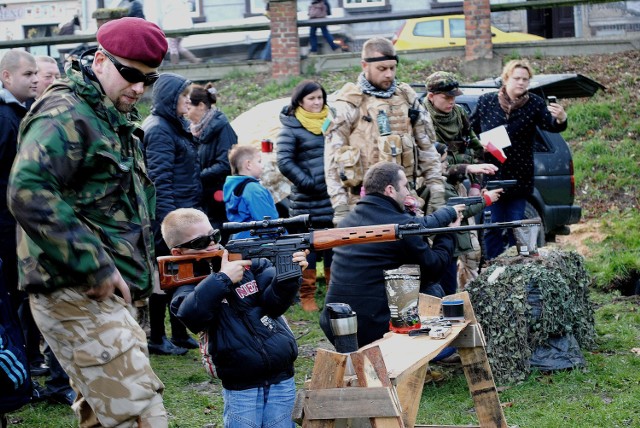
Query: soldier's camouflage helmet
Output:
(442,82)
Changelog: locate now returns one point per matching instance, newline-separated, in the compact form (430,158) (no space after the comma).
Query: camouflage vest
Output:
(365,140)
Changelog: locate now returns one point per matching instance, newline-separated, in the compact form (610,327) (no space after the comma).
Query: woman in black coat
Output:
(172,164)
(215,136)
(520,112)
(300,154)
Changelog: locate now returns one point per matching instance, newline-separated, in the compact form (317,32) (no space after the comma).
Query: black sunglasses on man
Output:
(130,74)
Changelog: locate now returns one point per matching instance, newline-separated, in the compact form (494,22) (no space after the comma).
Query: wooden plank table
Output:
(390,374)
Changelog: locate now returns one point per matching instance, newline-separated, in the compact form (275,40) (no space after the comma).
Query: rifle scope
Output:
(299,221)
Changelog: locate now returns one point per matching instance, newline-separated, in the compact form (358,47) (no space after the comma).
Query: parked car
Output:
(554,185)
(446,31)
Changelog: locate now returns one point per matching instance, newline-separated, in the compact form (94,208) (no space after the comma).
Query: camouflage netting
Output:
(523,301)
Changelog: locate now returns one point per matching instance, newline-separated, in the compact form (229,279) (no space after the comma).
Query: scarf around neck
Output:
(196,128)
(369,89)
(312,122)
(509,105)
(447,125)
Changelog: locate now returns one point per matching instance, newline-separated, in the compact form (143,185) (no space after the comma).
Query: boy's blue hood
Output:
(232,201)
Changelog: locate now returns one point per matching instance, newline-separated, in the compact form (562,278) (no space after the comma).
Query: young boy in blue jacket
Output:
(238,312)
(244,197)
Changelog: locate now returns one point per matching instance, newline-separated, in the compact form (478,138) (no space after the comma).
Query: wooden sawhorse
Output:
(390,374)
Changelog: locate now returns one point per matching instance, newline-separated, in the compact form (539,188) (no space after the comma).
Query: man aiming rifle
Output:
(357,280)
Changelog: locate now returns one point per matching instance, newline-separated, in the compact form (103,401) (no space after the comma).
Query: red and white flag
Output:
(495,140)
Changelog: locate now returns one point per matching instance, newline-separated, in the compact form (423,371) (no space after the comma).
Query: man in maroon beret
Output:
(84,203)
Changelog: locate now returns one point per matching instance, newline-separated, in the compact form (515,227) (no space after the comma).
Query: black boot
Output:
(158,342)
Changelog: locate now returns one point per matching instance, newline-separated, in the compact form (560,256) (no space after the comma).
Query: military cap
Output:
(134,38)
(442,82)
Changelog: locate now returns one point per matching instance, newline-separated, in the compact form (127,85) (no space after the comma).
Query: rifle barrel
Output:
(414,229)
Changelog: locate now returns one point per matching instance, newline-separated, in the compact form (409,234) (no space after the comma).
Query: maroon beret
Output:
(134,38)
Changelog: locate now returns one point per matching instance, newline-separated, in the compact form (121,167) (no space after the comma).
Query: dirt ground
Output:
(581,234)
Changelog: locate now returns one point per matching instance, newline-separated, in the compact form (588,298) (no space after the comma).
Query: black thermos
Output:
(344,326)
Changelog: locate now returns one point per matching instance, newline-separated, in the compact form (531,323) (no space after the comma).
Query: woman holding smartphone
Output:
(520,112)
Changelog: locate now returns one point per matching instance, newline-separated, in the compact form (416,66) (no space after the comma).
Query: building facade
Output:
(21,19)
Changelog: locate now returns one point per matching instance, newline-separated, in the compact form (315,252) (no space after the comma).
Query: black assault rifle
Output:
(270,241)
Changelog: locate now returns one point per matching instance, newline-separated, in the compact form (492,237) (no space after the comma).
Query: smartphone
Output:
(552,99)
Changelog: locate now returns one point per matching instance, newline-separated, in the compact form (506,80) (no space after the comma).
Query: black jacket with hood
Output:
(214,142)
(248,338)
(171,154)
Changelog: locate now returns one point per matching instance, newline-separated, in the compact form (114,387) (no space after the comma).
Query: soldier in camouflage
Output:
(451,122)
(84,204)
(355,140)
(464,155)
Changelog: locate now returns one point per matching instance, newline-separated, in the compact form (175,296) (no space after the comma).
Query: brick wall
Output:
(478,30)
(285,44)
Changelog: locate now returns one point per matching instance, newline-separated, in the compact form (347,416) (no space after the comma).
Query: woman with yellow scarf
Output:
(300,154)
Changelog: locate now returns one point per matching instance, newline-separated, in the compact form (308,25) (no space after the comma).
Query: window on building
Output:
(255,7)
(358,4)
(196,12)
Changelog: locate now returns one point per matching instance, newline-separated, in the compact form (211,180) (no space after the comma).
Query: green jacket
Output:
(80,192)
(463,243)
(454,130)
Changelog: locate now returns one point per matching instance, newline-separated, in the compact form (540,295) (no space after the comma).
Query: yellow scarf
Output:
(312,121)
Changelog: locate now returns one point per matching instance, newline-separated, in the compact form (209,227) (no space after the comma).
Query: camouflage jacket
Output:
(80,192)
(354,124)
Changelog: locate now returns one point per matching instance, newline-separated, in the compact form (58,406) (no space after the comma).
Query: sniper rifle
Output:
(271,241)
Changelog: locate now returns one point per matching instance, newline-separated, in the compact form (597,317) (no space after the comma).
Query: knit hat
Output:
(135,39)
(442,82)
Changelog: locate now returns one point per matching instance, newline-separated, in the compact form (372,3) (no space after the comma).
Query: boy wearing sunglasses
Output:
(245,340)
(83,201)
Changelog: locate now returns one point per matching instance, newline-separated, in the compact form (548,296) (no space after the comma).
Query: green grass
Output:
(603,133)
(602,394)
(618,257)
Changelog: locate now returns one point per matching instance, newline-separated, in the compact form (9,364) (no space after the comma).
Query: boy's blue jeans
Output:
(267,407)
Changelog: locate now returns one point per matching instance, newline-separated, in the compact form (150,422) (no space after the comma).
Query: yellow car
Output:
(446,31)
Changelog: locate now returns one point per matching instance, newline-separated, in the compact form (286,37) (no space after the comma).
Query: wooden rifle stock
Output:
(179,270)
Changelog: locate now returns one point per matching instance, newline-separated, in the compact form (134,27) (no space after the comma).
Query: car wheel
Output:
(531,212)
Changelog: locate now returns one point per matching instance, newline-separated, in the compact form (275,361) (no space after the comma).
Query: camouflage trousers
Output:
(104,352)
(469,263)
